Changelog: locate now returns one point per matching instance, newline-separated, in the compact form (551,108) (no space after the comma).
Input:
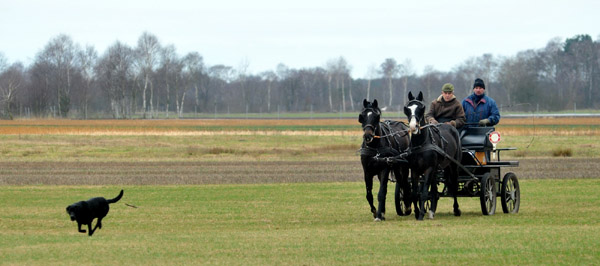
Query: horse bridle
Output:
(369,125)
(419,103)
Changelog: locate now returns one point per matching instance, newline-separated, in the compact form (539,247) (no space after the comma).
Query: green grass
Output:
(208,148)
(299,224)
(545,146)
(242,147)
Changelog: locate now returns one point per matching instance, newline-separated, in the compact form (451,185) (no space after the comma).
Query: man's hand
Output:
(432,121)
(484,122)
(452,123)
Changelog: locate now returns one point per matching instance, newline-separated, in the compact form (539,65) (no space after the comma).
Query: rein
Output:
(387,133)
(431,128)
(386,126)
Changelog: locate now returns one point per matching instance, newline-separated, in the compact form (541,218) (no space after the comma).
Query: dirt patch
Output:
(186,173)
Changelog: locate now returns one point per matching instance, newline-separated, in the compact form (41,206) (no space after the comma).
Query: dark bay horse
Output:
(383,139)
(429,147)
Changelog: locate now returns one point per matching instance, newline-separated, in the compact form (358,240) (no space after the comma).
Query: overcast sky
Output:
(306,33)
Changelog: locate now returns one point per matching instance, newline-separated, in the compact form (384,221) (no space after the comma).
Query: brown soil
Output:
(185,173)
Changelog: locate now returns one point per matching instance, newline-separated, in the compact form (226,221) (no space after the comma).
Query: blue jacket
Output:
(485,108)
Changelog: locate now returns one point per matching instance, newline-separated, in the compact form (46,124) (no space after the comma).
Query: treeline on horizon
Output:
(152,80)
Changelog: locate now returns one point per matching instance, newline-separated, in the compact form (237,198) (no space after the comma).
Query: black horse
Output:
(430,149)
(383,139)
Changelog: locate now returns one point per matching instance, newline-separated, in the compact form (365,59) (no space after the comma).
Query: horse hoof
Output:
(380,217)
(377,220)
(430,215)
(457,212)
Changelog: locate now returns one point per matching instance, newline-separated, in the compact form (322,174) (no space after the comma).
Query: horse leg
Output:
(424,193)
(369,187)
(454,188)
(434,195)
(415,191)
(402,197)
(381,196)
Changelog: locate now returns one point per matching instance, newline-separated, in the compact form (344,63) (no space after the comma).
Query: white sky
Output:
(304,33)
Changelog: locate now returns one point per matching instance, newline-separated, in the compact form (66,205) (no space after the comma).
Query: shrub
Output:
(562,152)
(219,150)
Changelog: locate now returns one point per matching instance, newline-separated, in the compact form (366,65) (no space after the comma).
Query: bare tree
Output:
(193,69)
(581,51)
(350,88)
(270,77)
(465,75)
(242,73)
(220,75)
(430,78)
(147,55)
(283,72)
(12,81)
(339,70)
(405,70)
(371,74)
(519,77)
(488,68)
(87,60)
(62,79)
(331,68)
(3,62)
(389,70)
(171,68)
(549,60)
(114,71)
(60,54)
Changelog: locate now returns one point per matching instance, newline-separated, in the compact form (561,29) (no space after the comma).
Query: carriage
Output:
(480,173)
(468,165)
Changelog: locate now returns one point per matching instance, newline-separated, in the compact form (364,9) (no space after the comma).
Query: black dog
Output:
(85,211)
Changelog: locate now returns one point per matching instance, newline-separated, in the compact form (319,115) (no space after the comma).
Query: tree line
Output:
(152,80)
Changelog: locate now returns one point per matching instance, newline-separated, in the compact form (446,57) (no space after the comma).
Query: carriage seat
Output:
(476,138)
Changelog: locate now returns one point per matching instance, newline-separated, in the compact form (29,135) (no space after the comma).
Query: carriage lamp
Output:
(494,138)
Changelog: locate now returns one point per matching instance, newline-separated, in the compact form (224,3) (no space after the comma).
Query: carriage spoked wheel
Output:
(430,208)
(431,203)
(488,195)
(400,195)
(510,193)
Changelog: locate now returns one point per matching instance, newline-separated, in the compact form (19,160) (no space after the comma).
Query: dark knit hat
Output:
(448,88)
(478,83)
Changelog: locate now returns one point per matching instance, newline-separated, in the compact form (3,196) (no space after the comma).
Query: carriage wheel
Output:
(401,208)
(431,203)
(488,195)
(510,193)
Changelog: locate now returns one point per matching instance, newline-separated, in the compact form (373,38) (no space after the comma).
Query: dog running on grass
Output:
(85,211)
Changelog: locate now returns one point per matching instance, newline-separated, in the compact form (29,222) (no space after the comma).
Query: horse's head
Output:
(415,111)
(369,119)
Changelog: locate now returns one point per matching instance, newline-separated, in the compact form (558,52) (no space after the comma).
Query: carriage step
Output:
(504,163)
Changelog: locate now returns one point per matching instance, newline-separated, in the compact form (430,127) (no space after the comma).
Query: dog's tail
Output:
(117,198)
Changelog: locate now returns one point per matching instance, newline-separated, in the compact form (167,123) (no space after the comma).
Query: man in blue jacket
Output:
(479,108)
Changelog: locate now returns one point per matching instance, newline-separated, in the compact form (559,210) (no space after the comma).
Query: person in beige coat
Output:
(446,109)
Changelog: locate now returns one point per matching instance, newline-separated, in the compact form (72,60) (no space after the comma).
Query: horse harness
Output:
(440,150)
(433,145)
(390,136)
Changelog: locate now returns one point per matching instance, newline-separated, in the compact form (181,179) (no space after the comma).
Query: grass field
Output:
(252,140)
(298,224)
(272,192)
